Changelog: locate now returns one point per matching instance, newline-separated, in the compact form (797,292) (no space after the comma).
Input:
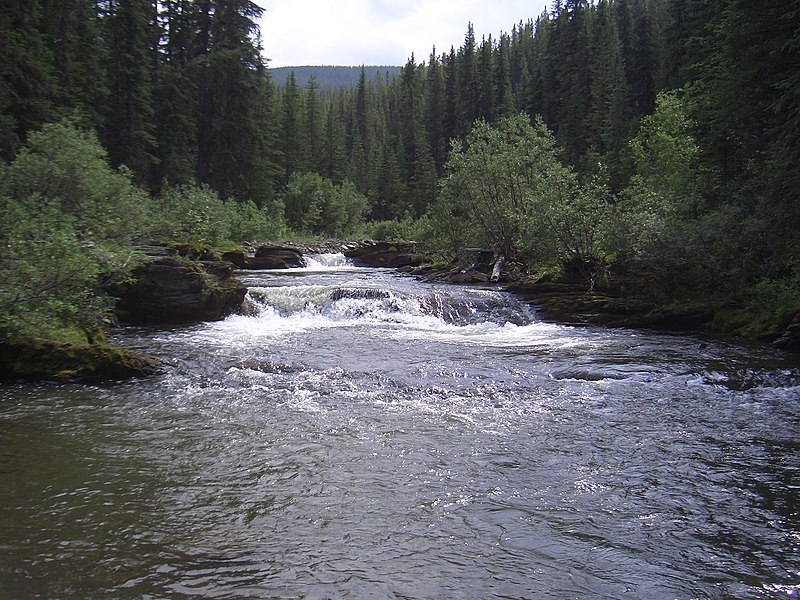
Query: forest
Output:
(330,78)
(655,139)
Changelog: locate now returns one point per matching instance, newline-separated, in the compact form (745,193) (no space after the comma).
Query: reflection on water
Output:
(363,435)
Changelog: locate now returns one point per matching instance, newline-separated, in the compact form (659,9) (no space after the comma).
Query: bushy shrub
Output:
(506,189)
(191,213)
(315,205)
(65,217)
(249,222)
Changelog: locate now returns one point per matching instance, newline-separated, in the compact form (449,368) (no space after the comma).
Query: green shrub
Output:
(315,205)
(66,217)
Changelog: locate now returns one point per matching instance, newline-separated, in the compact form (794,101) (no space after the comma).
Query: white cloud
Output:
(355,32)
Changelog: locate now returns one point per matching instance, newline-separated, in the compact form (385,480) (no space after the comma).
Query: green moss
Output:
(39,358)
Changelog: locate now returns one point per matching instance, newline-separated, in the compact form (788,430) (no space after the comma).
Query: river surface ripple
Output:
(360,434)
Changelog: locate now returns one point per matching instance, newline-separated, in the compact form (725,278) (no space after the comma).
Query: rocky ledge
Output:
(385,254)
(364,253)
(168,289)
(36,358)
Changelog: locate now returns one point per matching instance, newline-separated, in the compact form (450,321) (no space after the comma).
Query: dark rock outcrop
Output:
(170,290)
(274,257)
(385,254)
(37,358)
(790,340)
(573,303)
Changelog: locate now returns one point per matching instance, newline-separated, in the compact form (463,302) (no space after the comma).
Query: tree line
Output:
(657,137)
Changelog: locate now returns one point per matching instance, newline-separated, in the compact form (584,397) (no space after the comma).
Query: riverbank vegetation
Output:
(648,147)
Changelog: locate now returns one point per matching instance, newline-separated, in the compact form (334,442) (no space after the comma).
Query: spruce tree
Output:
(312,128)
(129,131)
(26,74)
(291,130)
(435,111)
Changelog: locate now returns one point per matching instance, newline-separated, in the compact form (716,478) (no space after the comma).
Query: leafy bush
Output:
(248,222)
(406,229)
(65,218)
(507,190)
(191,213)
(315,205)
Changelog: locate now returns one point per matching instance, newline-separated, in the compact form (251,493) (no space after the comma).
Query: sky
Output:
(380,32)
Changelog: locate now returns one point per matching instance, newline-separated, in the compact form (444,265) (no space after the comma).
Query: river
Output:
(361,434)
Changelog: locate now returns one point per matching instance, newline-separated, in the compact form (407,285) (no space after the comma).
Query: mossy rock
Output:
(38,358)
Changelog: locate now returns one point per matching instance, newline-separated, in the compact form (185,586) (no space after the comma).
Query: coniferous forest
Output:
(658,139)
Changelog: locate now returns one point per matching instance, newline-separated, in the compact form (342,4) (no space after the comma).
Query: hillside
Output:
(330,77)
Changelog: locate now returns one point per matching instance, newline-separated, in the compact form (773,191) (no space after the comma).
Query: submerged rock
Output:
(37,358)
(170,290)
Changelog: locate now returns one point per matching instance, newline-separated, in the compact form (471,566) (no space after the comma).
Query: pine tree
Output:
(487,83)
(129,131)
(177,92)
(334,153)
(467,103)
(233,140)
(26,77)
(608,121)
(291,130)
(504,99)
(312,128)
(573,78)
(435,111)
(75,36)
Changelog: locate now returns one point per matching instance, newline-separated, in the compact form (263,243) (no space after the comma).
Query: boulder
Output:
(469,276)
(170,290)
(274,257)
(790,340)
(385,254)
(235,257)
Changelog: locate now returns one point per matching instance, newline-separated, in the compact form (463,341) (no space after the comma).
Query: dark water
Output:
(363,435)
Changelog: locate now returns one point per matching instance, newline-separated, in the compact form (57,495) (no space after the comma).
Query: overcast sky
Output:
(380,32)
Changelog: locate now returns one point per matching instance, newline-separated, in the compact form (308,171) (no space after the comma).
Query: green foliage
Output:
(196,214)
(246,221)
(506,189)
(193,213)
(776,298)
(68,167)
(405,229)
(314,205)
(665,190)
(66,218)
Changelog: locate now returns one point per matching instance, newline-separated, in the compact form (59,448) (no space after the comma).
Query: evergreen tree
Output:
(435,111)
(177,92)
(466,98)
(74,31)
(333,147)
(608,121)
(129,131)
(26,78)
(233,148)
(573,77)
(291,130)
(487,82)
(451,120)
(504,99)
(312,128)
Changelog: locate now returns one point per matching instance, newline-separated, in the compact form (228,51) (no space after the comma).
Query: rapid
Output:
(356,433)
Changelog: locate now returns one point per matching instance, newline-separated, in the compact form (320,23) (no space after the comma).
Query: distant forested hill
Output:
(329,77)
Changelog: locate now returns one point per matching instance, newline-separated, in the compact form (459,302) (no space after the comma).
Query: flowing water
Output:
(359,434)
